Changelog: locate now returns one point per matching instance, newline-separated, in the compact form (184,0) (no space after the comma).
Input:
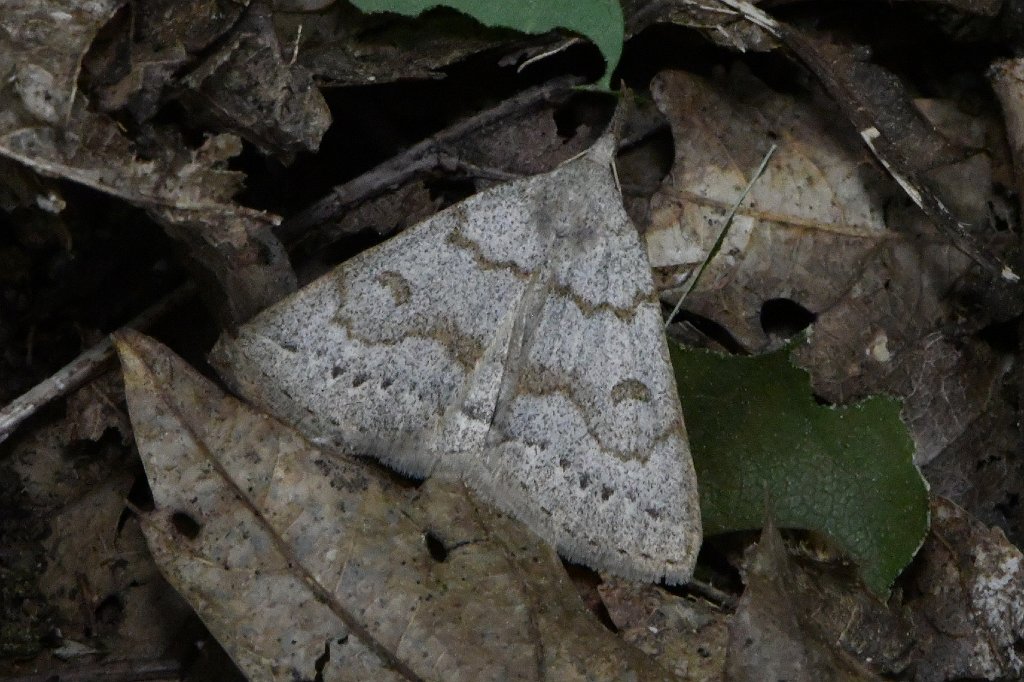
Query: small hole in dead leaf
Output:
(186,525)
(450,190)
(579,111)
(784,317)
(1008,504)
(438,552)
(321,662)
(83,449)
(586,581)
(1001,337)
(109,612)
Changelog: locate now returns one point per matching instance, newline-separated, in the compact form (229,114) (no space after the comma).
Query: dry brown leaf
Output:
(46,125)
(95,407)
(304,563)
(98,588)
(687,636)
(982,471)
(249,88)
(100,580)
(189,193)
(39,73)
(221,60)
(342,46)
(132,66)
(719,23)
(879,107)
(527,144)
(768,638)
(968,600)
(825,228)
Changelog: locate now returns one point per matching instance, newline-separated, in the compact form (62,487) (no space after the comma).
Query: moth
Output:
(513,341)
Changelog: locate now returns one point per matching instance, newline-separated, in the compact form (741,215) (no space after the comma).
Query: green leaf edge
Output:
(726,508)
(603,24)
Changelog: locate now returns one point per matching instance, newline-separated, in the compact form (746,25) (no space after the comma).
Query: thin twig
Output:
(72,375)
(717,246)
(711,593)
(414,161)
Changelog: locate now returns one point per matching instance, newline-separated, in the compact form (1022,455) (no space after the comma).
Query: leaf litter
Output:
(147,102)
(389,583)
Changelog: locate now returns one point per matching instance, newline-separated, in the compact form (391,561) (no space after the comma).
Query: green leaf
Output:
(761,442)
(599,20)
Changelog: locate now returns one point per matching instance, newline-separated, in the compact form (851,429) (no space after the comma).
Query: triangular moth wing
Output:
(514,340)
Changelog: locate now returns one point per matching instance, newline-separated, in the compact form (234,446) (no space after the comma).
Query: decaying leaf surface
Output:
(719,23)
(767,640)
(131,69)
(982,471)
(686,636)
(313,565)
(98,589)
(342,46)
(760,441)
(39,73)
(99,579)
(816,209)
(247,87)
(46,125)
(968,600)
(824,228)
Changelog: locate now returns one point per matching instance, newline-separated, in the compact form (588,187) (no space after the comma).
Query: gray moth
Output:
(514,341)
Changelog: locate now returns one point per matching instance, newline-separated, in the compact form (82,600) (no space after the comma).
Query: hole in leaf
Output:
(586,581)
(110,611)
(582,109)
(321,662)
(450,190)
(784,317)
(1008,505)
(1001,337)
(438,552)
(186,525)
